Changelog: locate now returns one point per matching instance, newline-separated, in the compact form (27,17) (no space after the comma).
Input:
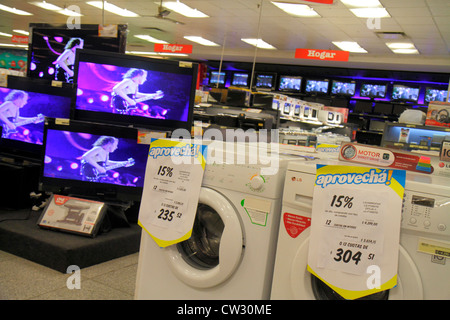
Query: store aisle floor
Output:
(21,279)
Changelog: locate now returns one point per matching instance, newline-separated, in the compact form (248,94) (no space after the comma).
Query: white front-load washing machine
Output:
(425,226)
(231,252)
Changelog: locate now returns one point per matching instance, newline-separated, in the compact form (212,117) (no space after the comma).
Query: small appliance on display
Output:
(144,92)
(373,90)
(72,215)
(327,116)
(291,84)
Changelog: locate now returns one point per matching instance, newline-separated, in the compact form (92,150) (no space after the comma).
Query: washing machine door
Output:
(304,285)
(215,248)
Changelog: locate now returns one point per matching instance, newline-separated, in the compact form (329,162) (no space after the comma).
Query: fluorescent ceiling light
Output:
(402,47)
(406,51)
(183,9)
(5,34)
(14,45)
(52,7)
(21,32)
(14,10)
(149,38)
(362,3)
(349,46)
(259,43)
(113,9)
(370,13)
(201,41)
(146,53)
(301,10)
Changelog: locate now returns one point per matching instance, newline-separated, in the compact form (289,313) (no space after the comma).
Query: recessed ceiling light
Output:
(301,10)
(3,34)
(48,6)
(147,53)
(406,51)
(370,13)
(183,9)
(113,9)
(402,47)
(350,46)
(21,32)
(201,41)
(259,43)
(149,38)
(14,10)
(362,3)
(25,46)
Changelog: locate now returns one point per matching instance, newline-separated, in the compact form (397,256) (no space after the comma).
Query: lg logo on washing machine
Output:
(296,179)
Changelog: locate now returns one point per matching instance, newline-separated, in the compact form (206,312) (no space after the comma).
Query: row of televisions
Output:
(56,123)
(344,88)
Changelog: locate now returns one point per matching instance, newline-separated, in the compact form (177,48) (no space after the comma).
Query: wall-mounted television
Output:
(290,84)
(240,79)
(265,81)
(317,86)
(130,90)
(24,104)
(92,160)
(50,42)
(217,78)
(433,94)
(405,93)
(373,90)
(343,88)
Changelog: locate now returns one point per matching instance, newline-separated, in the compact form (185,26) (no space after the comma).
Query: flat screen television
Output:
(290,84)
(405,93)
(433,94)
(217,78)
(131,90)
(49,42)
(372,90)
(73,150)
(24,103)
(265,81)
(240,79)
(343,88)
(317,86)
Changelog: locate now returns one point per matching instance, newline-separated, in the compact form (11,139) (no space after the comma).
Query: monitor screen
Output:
(51,50)
(24,104)
(92,159)
(342,88)
(290,84)
(432,94)
(131,90)
(373,90)
(217,77)
(405,93)
(297,109)
(240,79)
(265,81)
(317,86)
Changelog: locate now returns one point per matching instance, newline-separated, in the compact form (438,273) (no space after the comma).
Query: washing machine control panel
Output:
(426,213)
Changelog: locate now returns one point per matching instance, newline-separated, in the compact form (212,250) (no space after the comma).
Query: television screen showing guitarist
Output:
(10,113)
(95,162)
(65,62)
(126,93)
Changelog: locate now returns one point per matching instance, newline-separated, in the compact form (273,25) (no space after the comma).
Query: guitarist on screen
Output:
(95,162)
(126,93)
(10,113)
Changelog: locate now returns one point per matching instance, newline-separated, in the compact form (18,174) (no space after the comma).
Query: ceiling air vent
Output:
(391,35)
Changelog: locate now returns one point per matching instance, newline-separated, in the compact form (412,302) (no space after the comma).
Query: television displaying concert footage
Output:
(405,93)
(317,86)
(290,84)
(23,105)
(343,88)
(372,90)
(132,90)
(240,79)
(92,159)
(217,78)
(50,42)
(433,94)
(265,81)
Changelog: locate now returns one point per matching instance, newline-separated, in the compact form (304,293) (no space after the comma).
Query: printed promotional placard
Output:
(355,228)
(172,185)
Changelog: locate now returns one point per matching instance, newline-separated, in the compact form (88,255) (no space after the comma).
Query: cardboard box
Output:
(438,114)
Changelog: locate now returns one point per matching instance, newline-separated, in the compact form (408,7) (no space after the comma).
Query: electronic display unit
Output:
(317,86)
(290,84)
(24,103)
(373,90)
(75,152)
(297,110)
(433,94)
(363,106)
(130,90)
(240,79)
(265,81)
(343,88)
(405,93)
(49,42)
(217,78)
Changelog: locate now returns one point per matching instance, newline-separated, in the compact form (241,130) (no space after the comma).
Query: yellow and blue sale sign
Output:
(355,228)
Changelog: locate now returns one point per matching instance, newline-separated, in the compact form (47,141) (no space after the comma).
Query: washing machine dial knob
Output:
(257,182)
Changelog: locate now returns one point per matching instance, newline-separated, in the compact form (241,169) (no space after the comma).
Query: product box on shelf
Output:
(438,114)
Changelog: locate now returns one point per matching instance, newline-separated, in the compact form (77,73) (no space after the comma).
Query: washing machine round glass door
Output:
(215,248)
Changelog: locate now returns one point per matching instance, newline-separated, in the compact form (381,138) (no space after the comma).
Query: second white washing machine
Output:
(425,226)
